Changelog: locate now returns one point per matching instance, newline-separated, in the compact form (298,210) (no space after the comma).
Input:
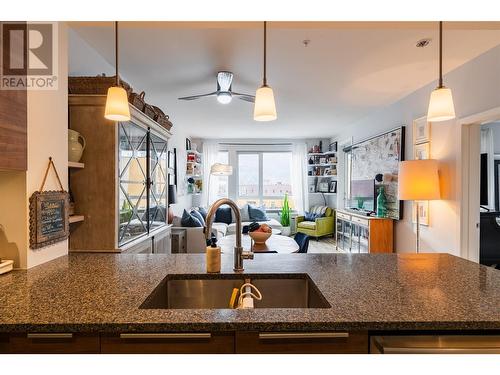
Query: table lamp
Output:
(418,181)
(218,169)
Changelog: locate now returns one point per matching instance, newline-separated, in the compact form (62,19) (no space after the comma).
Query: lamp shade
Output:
(219,169)
(117,108)
(172,195)
(418,180)
(264,108)
(441,107)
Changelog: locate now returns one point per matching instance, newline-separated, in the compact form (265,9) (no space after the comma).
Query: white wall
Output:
(47,130)
(48,136)
(475,87)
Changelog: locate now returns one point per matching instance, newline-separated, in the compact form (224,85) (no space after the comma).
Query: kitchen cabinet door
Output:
(302,342)
(49,343)
(168,343)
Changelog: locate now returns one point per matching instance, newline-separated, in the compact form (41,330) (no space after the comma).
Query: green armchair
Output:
(322,226)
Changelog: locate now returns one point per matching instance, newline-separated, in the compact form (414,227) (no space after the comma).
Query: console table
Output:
(356,233)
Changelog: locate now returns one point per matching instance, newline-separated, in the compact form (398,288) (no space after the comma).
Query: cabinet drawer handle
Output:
(302,335)
(165,335)
(50,335)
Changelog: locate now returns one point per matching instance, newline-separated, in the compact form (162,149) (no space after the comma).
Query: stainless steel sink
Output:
(209,292)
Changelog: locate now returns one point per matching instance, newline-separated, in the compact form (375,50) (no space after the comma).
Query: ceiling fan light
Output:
(441,107)
(224,97)
(117,108)
(264,108)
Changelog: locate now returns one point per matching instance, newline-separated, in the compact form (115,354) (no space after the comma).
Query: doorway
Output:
(480,208)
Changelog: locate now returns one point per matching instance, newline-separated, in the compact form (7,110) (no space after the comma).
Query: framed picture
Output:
(333,187)
(421,131)
(323,187)
(327,172)
(421,151)
(332,147)
(423,208)
(312,188)
(188,144)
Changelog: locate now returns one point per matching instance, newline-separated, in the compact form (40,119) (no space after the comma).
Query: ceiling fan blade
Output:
(193,97)
(224,81)
(245,97)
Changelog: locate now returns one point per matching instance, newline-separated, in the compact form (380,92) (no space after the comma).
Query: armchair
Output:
(321,226)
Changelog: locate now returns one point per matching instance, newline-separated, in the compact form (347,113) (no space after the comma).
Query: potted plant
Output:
(285,217)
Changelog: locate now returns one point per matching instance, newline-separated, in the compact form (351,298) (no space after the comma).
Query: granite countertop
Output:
(103,292)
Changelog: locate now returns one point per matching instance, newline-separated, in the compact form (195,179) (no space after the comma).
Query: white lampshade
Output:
(441,106)
(117,108)
(219,169)
(418,180)
(264,108)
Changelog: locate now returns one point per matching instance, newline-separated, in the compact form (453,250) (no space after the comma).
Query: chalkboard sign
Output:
(49,220)
(49,214)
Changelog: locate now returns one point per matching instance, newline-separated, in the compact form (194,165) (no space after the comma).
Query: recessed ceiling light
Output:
(423,43)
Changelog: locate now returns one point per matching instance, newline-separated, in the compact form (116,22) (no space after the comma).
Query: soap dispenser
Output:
(213,256)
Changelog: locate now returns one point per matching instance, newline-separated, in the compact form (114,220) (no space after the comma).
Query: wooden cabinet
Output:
(157,243)
(228,342)
(179,241)
(168,343)
(49,343)
(302,342)
(122,191)
(363,234)
(162,241)
(13,130)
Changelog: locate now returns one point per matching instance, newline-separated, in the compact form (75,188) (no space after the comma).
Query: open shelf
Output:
(318,192)
(322,165)
(76,218)
(326,153)
(322,176)
(74,164)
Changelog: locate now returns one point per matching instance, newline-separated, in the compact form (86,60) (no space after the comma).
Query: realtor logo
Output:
(28,56)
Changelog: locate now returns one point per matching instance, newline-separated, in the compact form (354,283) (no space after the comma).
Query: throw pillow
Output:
(245,216)
(203,212)
(257,214)
(223,215)
(199,216)
(189,220)
(309,216)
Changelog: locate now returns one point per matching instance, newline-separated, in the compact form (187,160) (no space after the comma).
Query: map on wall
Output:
(377,159)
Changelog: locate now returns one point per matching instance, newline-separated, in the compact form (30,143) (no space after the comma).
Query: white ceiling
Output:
(347,71)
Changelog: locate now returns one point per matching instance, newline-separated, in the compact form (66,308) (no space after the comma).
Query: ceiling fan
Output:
(224,93)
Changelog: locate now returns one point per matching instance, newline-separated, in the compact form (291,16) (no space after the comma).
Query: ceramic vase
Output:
(76,145)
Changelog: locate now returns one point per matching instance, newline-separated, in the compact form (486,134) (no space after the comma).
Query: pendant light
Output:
(264,108)
(441,106)
(117,108)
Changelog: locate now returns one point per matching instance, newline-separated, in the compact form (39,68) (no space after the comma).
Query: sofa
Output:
(320,226)
(195,236)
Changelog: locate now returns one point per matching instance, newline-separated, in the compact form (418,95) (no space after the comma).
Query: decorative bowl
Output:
(259,237)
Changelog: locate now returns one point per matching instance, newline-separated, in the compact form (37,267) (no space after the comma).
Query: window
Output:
(264,178)
(221,183)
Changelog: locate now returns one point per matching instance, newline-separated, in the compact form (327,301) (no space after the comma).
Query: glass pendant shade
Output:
(264,108)
(441,106)
(117,108)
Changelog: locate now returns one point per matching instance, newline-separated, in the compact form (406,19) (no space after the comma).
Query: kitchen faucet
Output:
(239,254)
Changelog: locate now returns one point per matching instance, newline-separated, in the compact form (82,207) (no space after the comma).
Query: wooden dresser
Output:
(356,233)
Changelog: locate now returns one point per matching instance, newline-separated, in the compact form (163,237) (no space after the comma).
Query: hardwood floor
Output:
(323,246)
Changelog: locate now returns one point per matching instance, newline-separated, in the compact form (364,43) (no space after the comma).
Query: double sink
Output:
(214,292)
